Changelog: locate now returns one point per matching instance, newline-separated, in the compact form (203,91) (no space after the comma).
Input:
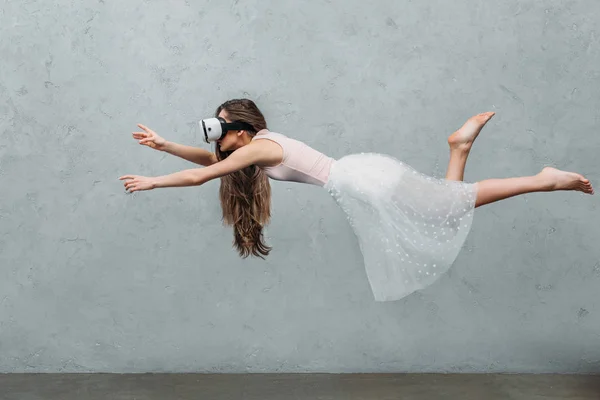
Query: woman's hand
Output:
(135,183)
(149,138)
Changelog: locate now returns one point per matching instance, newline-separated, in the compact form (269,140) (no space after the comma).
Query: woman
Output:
(410,227)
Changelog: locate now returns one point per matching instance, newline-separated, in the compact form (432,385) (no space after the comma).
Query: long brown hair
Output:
(246,194)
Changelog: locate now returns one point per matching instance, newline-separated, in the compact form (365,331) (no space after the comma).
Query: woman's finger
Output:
(126,177)
(144,128)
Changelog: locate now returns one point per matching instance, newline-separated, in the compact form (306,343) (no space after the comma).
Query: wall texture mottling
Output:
(95,280)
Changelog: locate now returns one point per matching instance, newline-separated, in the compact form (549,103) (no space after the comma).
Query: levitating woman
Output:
(410,226)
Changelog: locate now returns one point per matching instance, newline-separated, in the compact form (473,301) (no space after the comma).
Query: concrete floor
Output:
(297,386)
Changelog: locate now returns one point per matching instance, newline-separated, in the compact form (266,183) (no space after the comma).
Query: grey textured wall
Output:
(93,279)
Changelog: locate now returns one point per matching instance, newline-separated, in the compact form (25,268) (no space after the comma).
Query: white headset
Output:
(216,128)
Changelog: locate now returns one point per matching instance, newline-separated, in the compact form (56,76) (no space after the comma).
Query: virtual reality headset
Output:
(216,128)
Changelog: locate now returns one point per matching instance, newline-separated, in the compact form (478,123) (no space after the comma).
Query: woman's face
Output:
(229,142)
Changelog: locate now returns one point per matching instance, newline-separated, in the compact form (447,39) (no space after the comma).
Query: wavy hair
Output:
(245,195)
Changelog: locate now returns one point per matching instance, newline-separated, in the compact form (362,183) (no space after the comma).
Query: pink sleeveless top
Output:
(301,163)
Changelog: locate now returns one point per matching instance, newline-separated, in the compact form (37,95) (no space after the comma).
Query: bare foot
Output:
(555,179)
(463,138)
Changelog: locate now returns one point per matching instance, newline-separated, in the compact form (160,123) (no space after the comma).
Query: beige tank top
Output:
(301,163)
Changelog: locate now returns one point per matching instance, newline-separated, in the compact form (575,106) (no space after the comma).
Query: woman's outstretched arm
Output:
(193,154)
(243,157)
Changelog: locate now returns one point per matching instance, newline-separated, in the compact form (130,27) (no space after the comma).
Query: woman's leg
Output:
(456,165)
(460,143)
(549,180)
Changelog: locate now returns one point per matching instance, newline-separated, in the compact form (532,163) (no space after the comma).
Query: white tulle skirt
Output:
(410,226)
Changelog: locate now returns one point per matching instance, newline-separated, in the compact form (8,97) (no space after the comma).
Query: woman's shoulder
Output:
(267,132)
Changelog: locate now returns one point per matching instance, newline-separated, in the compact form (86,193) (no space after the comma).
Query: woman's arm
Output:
(189,153)
(243,157)
(193,154)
